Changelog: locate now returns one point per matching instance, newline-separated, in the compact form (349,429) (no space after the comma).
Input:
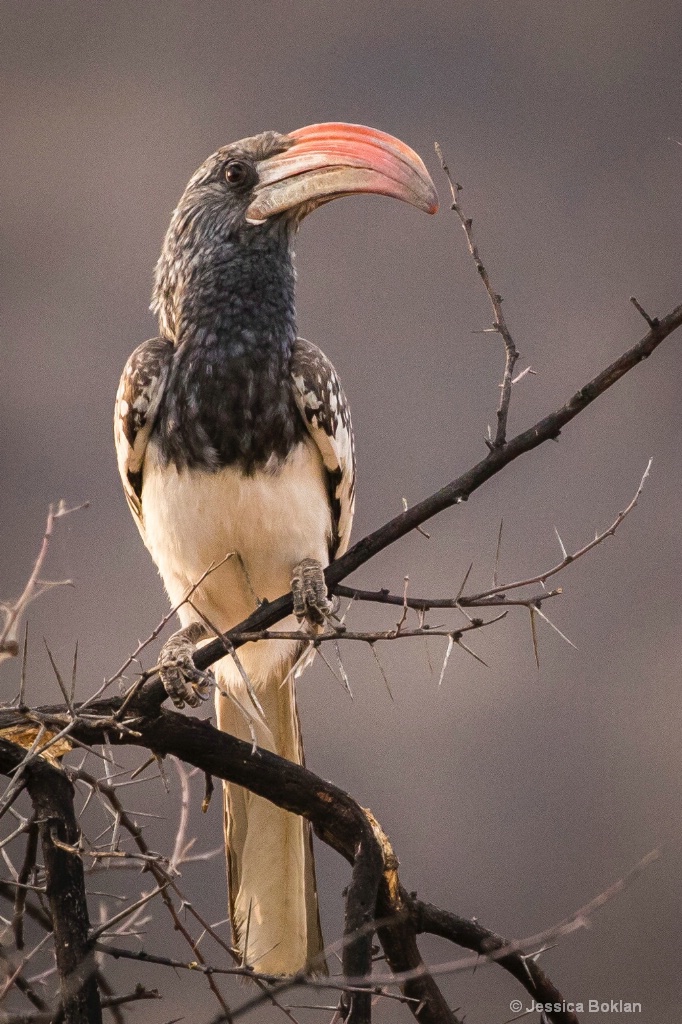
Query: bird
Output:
(235,450)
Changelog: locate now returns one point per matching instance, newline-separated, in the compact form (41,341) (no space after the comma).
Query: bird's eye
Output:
(236,172)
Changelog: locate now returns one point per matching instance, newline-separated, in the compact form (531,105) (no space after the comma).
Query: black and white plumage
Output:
(234,438)
(317,409)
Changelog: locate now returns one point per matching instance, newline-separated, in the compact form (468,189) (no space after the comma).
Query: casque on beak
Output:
(327,161)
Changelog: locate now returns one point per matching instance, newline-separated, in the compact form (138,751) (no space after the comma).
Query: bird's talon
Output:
(309,590)
(183,681)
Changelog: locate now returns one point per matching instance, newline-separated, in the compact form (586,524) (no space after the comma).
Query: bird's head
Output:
(260,187)
(270,175)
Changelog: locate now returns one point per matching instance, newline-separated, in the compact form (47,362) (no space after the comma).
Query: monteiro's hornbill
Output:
(234,437)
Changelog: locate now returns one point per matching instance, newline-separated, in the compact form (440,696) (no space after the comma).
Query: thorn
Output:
(460,643)
(338,679)
(524,373)
(561,544)
(497,552)
(534,635)
(419,529)
(381,669)
(448,652)
(162,773)
(555,628)
(73,672)
(344,676)
(428,656)
(464,581)
(652,321)
(62,687)
(138,771)
(22,684)
(208,791)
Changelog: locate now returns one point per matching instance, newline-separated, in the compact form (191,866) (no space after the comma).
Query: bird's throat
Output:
(229,399)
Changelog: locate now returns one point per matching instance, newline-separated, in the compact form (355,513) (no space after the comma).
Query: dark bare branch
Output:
(24,875)
(472,935)
(52,796)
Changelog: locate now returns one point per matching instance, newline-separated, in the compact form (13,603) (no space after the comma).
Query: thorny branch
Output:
(366,636)
(567,558)
(496,597)
(499,322)
(13,613)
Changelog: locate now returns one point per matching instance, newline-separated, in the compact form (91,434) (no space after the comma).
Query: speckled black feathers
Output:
(323,405)
(228,400)
(139,394)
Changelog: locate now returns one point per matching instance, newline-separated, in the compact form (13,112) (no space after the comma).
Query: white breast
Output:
(192,519)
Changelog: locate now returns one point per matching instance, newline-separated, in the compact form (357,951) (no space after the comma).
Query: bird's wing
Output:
(324,408)
(137,403)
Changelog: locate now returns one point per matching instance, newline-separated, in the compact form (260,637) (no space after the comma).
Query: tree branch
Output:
(52,797)
(472,935)
(499,323)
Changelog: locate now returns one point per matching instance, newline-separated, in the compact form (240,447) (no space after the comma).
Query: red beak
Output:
(327,161)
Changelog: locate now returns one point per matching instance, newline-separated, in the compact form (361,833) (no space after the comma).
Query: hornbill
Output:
(235,449)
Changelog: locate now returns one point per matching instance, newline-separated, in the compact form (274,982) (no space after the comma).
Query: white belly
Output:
(271,521)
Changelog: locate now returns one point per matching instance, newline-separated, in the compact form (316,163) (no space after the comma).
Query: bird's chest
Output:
(266,522)
(228,402)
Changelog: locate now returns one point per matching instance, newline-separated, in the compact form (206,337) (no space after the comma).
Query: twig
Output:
(651,320)
(126,912)
(151,692)
(425,604)
(16,972)
(9,634)
(499,322)
(225,757)
(367,636)
(574,922)
(24,874)
(159,628)
(24,986)
(568,558)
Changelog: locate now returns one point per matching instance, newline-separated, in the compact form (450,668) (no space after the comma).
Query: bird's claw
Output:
(309,590)
(183,681)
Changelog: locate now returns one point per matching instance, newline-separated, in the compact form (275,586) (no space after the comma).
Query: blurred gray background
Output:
(511,794)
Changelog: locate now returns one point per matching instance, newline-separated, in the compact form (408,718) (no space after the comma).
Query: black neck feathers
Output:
(226,300)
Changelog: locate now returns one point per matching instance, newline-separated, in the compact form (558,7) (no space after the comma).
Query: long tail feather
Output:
(271,871)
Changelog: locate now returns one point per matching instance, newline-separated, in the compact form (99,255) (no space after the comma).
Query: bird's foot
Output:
(183,681)
(309,589)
